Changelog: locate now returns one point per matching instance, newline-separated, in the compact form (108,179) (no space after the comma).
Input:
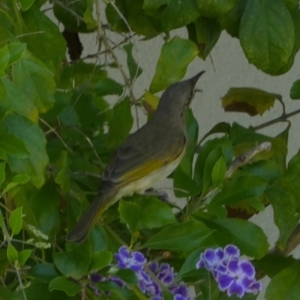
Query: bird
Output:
(145,158)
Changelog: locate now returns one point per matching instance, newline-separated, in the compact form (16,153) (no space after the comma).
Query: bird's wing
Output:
(143,153)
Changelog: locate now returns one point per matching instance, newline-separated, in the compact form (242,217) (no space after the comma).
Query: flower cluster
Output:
(233,274)
(164,275)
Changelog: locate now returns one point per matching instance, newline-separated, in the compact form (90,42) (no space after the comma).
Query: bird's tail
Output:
(90,217)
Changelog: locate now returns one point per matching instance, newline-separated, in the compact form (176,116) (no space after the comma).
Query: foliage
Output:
(58,128)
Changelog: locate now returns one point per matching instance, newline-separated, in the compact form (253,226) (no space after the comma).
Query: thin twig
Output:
(91,144)
(72,12)
(282,118)
(57,134)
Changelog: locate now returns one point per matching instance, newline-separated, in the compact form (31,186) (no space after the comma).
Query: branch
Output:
(246,157)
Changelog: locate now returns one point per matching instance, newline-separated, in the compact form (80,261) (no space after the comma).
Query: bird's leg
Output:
(162,195)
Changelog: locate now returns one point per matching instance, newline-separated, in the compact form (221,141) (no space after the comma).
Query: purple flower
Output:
(232,274)
(127,260)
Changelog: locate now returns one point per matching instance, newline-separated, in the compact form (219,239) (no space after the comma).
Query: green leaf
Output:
(139,21)
(15,181)
(284,197)
(26,4)
(13,145)
(248,237)
(23,256)
(250,100)
(216,8)
(80,73)
(51,54)
(240,188)
(174,14)
(12,253)
(128,276)
(107,86)
(75,16)
(134,70)
(182,177)
(16,51)
(295,90)
(4,58)
(15,221)
(174,58)
(44,272)
(62,177)
(88,15)
(2,172)
(145,212)
(113,17)
(218,172)
(34,140)
(61,283)
(120,124)
(74,264)
(205,33)
(285,285)
(221,127)
(272,264)
(267,34)
(100,260)
(185,236)
(14,99)
(36,80)
(45,207)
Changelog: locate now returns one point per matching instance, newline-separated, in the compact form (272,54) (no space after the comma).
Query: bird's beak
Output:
(194,79)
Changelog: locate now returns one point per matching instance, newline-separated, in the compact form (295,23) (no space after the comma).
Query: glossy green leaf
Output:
(231,20)
(24,255)
(240,188)
(51,54)
(185,236)
(62,178)
(15,181)
(16,51)
(45,207)
(74,264)
(285,285)
(221,127)
(44,272)
(34,140)
(139,21)
(35,80)
(216,8)
(174,14)
(2,172)
(272,263)
(284,198)
(248,237)
(26,4)
(100,259)
(15,221)
(174,58)
(218,172)
(145,212)
(13,145)
(134,70)
(120,124)
(80,73)
(88,15)
(205,33)
(71,288)
(14,99)
(12,253)
(267,34)
(4,58)
(249,100)
(295,90)
(107,86)
(75,16)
